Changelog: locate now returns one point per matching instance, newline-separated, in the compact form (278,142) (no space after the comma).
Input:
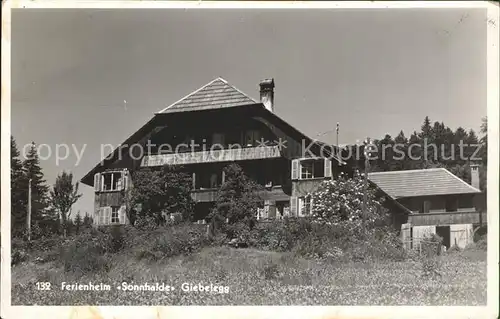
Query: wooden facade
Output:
(209,129)
(471,216)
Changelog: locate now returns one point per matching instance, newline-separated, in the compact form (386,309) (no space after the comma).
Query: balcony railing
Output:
(212,156)
(209,195)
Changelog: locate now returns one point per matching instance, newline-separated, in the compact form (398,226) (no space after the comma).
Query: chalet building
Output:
(434,201)
(205,131)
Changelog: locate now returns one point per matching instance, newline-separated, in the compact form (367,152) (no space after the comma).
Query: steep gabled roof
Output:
(421,182)
(213,95)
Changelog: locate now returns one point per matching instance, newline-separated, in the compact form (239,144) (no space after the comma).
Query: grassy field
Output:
(257,277)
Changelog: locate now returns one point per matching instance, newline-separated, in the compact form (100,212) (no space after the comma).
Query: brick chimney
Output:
(267,93)
(474,175)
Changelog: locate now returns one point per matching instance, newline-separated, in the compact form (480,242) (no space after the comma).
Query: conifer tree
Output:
(39,188)
(78,222)
(415,152)
(400,158)
(19,191)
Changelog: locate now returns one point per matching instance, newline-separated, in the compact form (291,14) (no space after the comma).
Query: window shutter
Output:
(293,206)
(328,167)
(97,182)
(122,215)
(100,216)
(124,180)
(295,169)
(97,216)
(311,203)
(107,215)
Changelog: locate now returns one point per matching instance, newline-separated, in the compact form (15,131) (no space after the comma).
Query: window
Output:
(312,168)
(213,180)
(115,215)
(112,181)
(451,204)
(104,215)
(251,138)
(305,205)
(306,169)
(101,216)
(426,206)
(218,139)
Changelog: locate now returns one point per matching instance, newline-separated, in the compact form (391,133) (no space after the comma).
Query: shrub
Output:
(116,239)
(182,239)
(18,256)
(454,249)
(236,203)
(158,193)
(431,245)
(270,270)
(341,200)
(86,253)
(430,267)
(345,241)
(482,243)
(146,223)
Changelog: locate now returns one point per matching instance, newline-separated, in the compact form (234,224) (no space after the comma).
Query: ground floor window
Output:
(305,205)
(115,216)
(282,209)
(110,215)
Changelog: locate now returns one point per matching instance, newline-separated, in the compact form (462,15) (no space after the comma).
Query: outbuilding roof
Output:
(421,182)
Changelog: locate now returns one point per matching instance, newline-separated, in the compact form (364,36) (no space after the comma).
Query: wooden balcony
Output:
(209,195)
(441,218)
(225,155)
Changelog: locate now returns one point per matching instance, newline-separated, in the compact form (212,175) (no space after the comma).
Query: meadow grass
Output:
(256,277)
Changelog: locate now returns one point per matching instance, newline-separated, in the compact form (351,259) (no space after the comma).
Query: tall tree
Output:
(87,220)
(438,131)
(63,196)
(483,153)
(484,141)
(415,152)
(426,129)
(39,188)
(385,161)
(400,158)
(237,202)
(19,190)
(449,147)
(78,222)
(159,193)
(460,139)
(472,142)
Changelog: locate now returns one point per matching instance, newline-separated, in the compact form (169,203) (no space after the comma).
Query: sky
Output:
(89,77)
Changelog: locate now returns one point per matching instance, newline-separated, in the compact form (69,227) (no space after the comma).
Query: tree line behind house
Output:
(447,143)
